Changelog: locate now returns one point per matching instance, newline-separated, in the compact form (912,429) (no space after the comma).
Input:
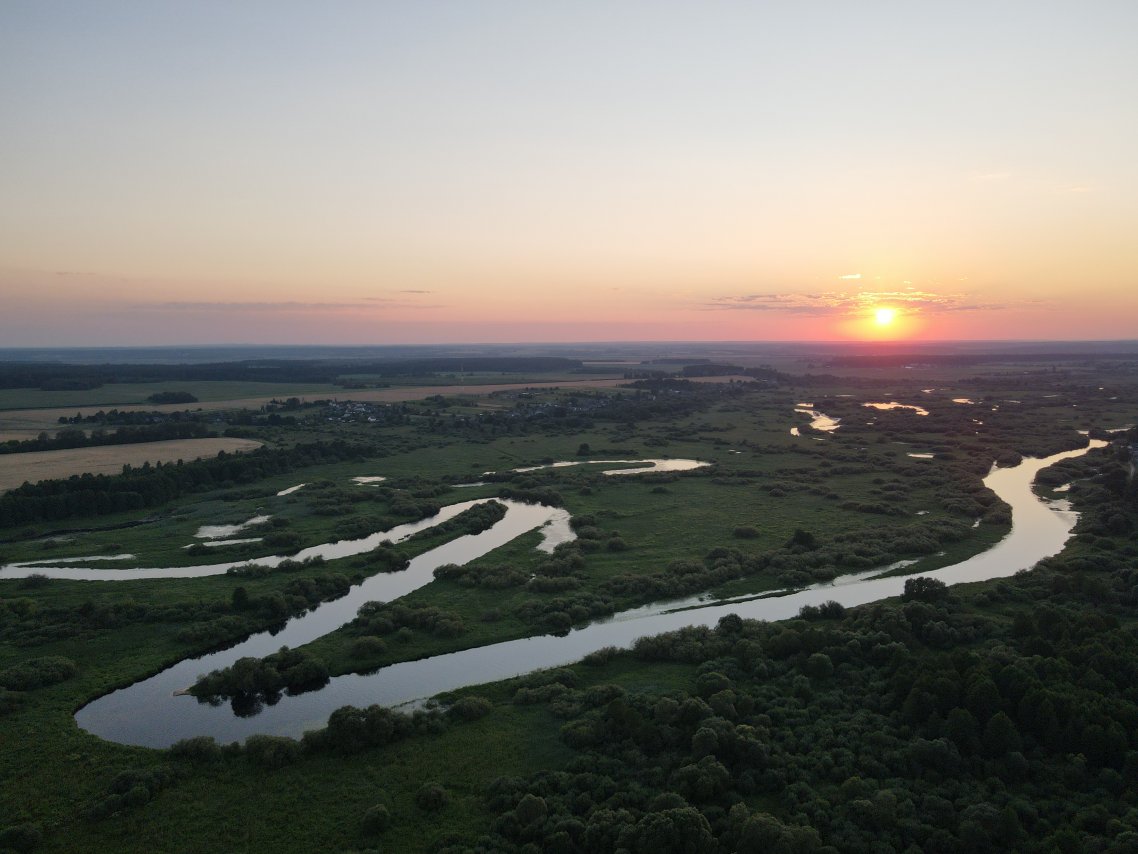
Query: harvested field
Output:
(45,465)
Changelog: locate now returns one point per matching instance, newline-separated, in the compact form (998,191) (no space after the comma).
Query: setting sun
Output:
(885,316)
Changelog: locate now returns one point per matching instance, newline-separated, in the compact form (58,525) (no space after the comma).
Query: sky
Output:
(497,171)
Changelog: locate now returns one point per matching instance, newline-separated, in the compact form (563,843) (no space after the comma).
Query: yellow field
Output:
(44,465)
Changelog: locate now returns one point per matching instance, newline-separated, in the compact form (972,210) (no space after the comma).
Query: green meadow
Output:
(770,511)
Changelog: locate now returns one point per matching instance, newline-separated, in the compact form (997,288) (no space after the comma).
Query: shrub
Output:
(202,748)
(37,673)
(285,541)
(272,751)
(10,701)
(368,646)
(376,819)
(431,797)
(21,837)
(471,708)
(601,656)
(530,810)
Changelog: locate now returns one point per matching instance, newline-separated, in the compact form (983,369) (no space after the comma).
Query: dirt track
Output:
(108,459)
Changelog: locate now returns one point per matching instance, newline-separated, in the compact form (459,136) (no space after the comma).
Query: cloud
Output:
(908,301)
(851,276)
(253,306)
(283,306)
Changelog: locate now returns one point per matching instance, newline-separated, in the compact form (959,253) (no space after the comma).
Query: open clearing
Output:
(109,459)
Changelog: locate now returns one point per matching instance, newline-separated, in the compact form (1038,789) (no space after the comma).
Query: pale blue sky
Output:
(433,170)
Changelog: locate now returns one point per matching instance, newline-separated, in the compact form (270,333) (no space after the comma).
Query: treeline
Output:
(116,416)
(61,376)
(72,438)
(892,360)
(710,369)
(244,417)
(152,486)
(478,364)
(172,397)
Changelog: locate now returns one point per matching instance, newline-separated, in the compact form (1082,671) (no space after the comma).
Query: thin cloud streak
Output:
(373,304)
(252,306)
(840,303)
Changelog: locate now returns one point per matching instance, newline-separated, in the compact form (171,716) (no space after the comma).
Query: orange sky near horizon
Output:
(272,173)
(117,312)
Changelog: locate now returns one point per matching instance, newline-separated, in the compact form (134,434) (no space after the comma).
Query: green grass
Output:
(50,770)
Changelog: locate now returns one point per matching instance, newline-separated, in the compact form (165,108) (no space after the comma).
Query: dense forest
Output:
(993,720)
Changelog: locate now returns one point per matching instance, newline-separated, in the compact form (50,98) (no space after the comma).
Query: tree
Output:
(961,728)
(819,666)
(924,590)
(675,831)
(376,819)
(431,797)
(530,810)
(802,539)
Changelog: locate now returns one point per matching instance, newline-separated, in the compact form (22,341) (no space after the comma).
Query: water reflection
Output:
(556,532)
(819,420)
(920,410)
(640,466)
(218,532)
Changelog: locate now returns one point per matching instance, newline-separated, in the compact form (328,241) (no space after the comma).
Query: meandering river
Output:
(149,712)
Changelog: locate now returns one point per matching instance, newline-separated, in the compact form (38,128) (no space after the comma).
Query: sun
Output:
(882,321)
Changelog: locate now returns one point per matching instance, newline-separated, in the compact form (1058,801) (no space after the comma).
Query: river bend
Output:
(149,713)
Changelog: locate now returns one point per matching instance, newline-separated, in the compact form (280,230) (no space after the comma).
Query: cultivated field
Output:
(20,423)
(109,459)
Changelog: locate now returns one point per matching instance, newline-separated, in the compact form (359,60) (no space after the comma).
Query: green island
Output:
(1000,715)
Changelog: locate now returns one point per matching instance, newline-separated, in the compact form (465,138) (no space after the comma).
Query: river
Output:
(149,713)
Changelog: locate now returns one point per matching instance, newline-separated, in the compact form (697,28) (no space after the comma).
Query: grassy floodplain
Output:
(773,510)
